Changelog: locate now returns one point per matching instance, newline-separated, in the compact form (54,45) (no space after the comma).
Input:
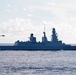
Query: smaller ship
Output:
(45,45)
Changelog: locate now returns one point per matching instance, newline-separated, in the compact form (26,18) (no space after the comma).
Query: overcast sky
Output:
(19,18)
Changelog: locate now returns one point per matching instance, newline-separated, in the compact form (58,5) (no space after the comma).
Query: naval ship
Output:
(45,45)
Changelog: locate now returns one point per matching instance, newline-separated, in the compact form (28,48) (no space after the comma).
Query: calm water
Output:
(37,63)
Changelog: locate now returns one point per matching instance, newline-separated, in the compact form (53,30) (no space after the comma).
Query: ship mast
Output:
(44,38)
(44,31)
(54,35)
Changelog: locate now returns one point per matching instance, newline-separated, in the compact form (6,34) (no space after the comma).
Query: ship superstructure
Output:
(45,44)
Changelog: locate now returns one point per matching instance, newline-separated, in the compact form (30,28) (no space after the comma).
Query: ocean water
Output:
(37,62)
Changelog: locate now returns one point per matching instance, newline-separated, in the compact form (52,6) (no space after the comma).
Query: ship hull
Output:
(36,48)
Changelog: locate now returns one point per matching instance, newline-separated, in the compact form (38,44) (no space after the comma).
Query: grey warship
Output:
(45,45)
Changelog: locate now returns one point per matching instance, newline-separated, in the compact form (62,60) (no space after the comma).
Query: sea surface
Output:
(37,62)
